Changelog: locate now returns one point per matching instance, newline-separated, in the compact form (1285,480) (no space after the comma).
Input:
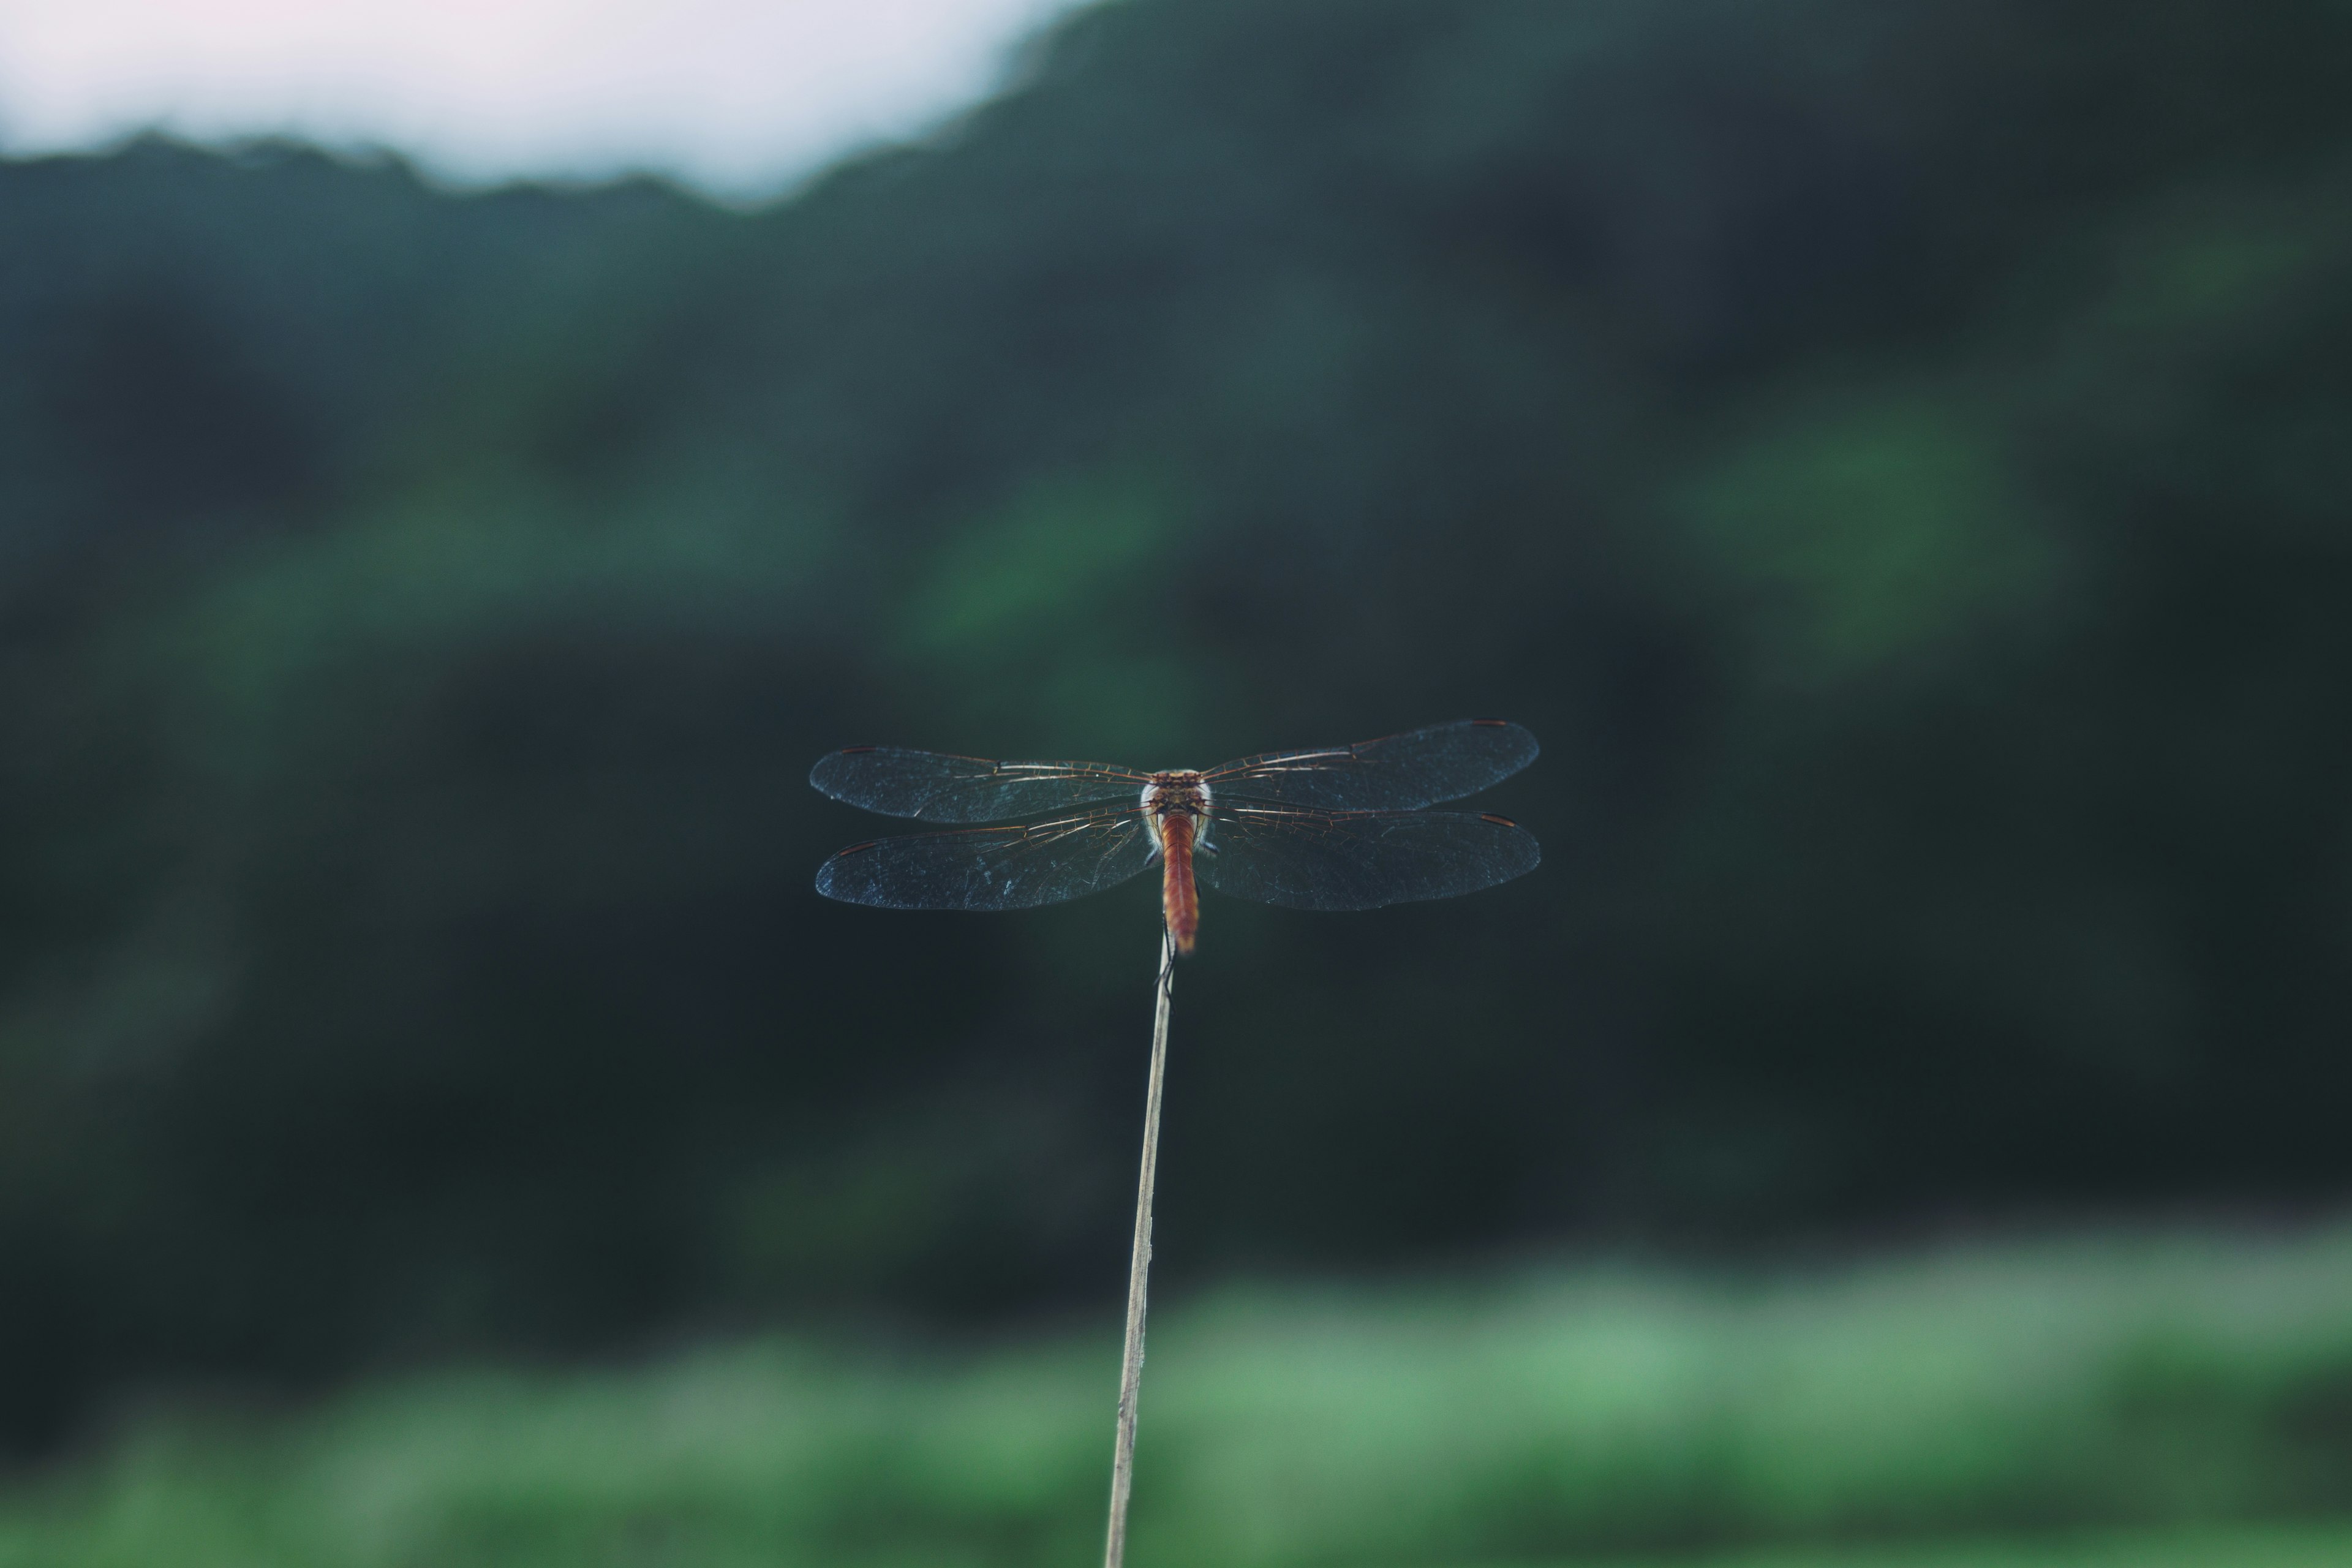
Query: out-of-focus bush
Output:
(2150,1402)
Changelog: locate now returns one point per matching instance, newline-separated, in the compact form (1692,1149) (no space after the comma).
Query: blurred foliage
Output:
(2145,1401)
(1893,454)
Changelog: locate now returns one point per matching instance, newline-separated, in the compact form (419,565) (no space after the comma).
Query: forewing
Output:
(1359,859)
(1399,772)
(938,786)
(978,868)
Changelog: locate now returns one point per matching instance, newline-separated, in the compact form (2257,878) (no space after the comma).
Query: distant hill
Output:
(1893,453)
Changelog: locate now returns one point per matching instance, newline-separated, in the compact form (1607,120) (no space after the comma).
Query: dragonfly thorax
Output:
(1172,794)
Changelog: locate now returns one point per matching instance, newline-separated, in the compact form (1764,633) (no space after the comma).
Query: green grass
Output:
(2171,1400)
(2245,1547)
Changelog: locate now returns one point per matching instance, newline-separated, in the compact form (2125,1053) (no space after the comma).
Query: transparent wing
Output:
(1399,772)
(1359,859)
(993,867)
(940,787)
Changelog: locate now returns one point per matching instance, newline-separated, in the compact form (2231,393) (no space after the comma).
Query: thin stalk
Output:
(1138,1275)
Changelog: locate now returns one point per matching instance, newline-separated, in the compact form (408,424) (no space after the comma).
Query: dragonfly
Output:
(1330,827)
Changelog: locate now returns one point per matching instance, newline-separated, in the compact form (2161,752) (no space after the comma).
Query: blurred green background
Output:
(1893,452)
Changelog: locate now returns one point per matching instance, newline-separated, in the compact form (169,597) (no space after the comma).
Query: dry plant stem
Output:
(1131,1380)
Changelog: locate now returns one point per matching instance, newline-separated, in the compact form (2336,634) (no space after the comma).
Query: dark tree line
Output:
(1895,455)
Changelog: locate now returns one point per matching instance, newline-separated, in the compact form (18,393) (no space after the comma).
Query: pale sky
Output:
(741,96)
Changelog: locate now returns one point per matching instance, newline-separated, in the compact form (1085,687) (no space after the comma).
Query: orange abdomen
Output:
(1180,903)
